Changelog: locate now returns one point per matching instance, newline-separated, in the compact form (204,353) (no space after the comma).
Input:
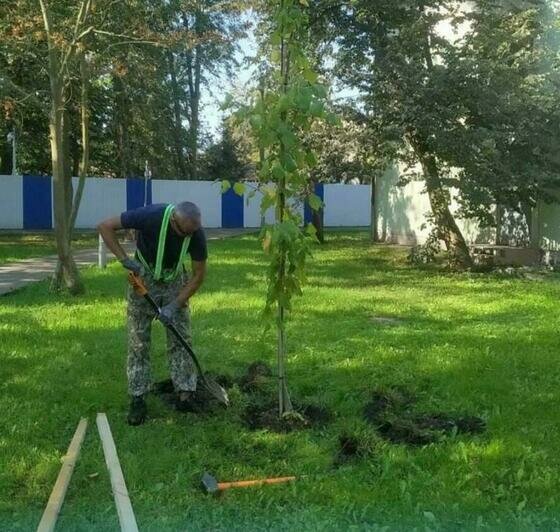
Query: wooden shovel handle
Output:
(137,283)
(248,483)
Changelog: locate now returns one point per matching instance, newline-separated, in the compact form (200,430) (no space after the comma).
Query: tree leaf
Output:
(226,185)
(315,202)
(311,230)
(310,75)
(239,188)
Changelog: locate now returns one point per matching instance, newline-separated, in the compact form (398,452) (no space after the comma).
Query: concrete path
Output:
(15,275)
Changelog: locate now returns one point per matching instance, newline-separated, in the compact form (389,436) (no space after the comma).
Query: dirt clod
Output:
(348,445)
(348,448)
(257,376)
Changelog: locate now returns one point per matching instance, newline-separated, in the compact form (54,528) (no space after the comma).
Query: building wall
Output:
(402,211)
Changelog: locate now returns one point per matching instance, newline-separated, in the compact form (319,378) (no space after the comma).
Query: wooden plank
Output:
(120,493)
(50,515)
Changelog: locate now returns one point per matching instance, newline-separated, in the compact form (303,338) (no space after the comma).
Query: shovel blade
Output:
(216,391)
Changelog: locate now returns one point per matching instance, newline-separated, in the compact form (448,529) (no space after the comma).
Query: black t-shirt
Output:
(147,220)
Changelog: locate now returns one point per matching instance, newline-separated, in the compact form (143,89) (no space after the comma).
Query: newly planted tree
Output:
(279,119)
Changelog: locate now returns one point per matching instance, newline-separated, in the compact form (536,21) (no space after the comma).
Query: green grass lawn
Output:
(467,343)
(18,245)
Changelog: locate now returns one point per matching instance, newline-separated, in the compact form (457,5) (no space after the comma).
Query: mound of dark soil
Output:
(265,416)
(391,413)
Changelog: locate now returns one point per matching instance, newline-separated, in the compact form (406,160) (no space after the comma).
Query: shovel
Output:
(212,386)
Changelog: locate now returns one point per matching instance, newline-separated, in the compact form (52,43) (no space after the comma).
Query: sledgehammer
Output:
(211,485)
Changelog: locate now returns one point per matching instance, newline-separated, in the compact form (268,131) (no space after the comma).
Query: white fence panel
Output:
(102,198)
(206,194)
(11,202)
(347,205)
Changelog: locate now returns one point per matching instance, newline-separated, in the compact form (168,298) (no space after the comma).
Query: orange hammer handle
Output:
(248,483)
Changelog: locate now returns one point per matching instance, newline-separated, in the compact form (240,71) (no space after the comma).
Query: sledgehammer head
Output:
(210,484)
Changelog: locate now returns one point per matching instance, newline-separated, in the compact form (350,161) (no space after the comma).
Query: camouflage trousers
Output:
(140,316)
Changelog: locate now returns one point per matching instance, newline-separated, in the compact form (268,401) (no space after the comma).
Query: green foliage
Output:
(279,120)
(485,103)
(427,252)
(150,63)
(279,241)
(228,159)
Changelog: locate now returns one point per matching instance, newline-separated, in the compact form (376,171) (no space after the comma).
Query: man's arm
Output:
(199,272)
(108,231)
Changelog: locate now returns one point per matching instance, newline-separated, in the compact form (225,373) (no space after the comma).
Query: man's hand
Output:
(168,312)
(134,266)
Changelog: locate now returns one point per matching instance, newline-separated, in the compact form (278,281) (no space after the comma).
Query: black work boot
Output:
(137,411)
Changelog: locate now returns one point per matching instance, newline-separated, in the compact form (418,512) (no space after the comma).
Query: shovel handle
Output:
(139,287)
(137,283)
(247,483)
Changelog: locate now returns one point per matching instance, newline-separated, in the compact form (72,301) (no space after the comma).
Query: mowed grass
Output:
(18,245)
(467,343)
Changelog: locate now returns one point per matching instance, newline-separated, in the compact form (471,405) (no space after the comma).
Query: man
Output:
(165,235)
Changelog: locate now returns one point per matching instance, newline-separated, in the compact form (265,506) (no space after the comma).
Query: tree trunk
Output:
(446,226)
(194,72)
(284,401)
(84,128)
(122,140)
(499,217)
(317,221)
(67,271)
(180,167)
(373,212)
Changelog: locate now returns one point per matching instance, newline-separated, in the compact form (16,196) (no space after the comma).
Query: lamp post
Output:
(147,175)
(12,138)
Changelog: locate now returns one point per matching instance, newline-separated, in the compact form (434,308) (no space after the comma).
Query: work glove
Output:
(167,313)
(134,266)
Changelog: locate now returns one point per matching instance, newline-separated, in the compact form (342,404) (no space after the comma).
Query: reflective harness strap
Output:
(158,274)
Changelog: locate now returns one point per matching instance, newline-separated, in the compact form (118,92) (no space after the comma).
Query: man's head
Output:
(185,219)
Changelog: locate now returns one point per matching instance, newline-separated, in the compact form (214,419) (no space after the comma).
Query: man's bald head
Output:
(187,210)
(186,218)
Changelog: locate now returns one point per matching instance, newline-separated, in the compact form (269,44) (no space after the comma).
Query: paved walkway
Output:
(15,275)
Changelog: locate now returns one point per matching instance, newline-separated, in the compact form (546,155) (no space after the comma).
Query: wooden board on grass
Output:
(50,515)
(120,493)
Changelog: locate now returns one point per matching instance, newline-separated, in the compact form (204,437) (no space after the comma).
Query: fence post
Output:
(101,254)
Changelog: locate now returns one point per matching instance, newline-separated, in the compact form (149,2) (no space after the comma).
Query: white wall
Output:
(102,198)
(401,213)
(11,202)
(549,225)
(347,205)
(206,194)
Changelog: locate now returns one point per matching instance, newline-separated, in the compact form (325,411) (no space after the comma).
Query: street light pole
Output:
(147,175)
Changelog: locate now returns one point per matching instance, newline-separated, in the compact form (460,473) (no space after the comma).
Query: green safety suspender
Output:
(158,274)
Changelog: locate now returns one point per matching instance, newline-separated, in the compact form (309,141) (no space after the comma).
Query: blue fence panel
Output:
(136,192)
(308,211)
(232,209)
(37,202)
